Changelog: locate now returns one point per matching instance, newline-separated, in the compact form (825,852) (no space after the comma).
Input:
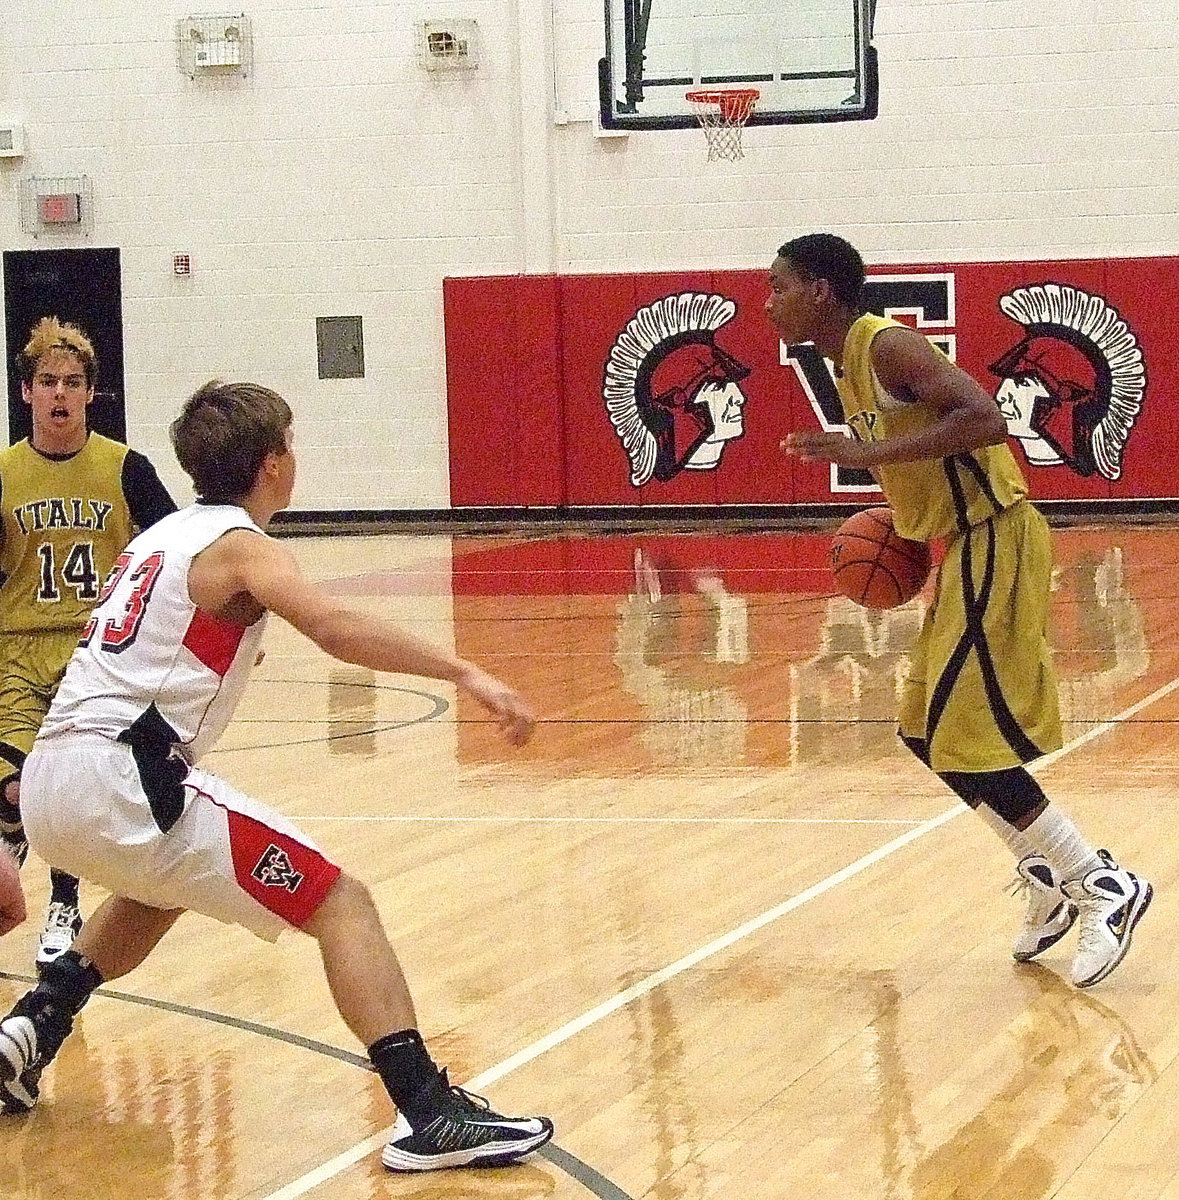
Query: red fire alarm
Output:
(181,264)
(60,208)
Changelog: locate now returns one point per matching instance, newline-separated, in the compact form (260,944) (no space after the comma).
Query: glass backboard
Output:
(811,60)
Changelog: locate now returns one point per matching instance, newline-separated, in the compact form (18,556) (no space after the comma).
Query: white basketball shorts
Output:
(228,856)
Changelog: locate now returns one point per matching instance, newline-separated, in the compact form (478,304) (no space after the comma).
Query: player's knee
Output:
(350,890)
(348,901)
(964,785)
(1016,797)
(1012,794)
(10,789)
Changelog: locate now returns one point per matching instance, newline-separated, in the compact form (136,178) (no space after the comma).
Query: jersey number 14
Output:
(77,572)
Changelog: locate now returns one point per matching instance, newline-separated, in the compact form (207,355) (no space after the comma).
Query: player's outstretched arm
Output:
(12,898)
(269,572)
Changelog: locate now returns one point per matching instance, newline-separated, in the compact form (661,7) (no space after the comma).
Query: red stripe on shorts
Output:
(280,872)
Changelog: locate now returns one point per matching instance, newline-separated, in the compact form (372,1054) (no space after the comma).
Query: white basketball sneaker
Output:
(1112,902)
(1050,912)
(63,922)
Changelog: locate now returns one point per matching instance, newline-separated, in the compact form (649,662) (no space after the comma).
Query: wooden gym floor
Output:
(713,920)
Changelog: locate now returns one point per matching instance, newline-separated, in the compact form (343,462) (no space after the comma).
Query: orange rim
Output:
(735,104)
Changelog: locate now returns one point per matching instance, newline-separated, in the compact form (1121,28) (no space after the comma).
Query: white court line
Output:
(332,1168)
(631,820)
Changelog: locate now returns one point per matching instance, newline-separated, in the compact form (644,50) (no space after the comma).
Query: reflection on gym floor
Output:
(714,918)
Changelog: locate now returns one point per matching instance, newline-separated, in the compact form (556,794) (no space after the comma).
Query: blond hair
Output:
(51,334)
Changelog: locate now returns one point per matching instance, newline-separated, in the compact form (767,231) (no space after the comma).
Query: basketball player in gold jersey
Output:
(980,701)
(70,501)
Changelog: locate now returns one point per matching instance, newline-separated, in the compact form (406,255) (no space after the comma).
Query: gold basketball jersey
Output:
(932,497)
(64,523)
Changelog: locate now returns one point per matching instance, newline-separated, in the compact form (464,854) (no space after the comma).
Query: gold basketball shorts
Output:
(981,691)
(31,667)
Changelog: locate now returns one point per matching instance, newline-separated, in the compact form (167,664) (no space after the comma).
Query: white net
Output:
(722,116)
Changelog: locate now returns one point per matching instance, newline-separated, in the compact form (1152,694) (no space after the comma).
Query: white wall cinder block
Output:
(339,178)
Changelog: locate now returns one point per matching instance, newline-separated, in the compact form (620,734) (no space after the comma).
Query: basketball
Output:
(873,565)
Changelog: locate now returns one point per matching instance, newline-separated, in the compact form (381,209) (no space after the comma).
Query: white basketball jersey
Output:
(149,652)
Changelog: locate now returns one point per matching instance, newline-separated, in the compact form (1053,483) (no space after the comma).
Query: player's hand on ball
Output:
(511,711)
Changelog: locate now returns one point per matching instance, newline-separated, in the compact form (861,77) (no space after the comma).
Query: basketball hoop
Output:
(722,114)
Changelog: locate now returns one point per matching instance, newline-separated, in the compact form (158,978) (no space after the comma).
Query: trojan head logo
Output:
(1072,389)
(670,390)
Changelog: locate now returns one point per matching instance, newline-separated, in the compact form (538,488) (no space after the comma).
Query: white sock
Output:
(1054,836)
(1016,839)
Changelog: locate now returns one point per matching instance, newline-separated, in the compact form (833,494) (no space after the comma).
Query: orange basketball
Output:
(873,564)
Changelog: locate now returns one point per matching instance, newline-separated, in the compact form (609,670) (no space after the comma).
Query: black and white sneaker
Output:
(63,922)
(1050,913)
(451,1127)
(20,1071)
(1112,902)
(30,1037)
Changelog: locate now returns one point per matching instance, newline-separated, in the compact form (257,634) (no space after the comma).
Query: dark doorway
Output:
(83,287)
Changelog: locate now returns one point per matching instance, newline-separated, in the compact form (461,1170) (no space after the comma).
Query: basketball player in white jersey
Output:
(157,674)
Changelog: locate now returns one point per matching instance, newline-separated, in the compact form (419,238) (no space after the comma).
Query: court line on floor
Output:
(306,817)
(312,1179)
(586,1175)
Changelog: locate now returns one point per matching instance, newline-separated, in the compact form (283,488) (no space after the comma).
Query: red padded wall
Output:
(526,360)
(504,393)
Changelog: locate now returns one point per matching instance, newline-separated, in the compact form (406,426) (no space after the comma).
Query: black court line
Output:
(583,1173)
(438,706)
(580,1171)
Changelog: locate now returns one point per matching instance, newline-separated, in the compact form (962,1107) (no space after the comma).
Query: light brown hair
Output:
(223,435)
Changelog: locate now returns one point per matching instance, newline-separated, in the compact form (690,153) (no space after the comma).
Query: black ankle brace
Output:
(68,982)
(404,1065)
(66,985)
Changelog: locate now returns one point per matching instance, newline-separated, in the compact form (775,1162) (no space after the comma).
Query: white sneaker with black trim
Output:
(19,1069)
(62,923)
(1112,902)
(455,1128)
(1050,913)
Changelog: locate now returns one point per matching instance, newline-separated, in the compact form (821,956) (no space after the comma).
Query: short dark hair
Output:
(51,334)
(223,435)
(825,256)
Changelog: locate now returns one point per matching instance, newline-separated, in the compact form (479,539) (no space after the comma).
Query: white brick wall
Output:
(341,179)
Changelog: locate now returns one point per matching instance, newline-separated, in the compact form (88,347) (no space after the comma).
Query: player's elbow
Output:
(984,421)
(994,428)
